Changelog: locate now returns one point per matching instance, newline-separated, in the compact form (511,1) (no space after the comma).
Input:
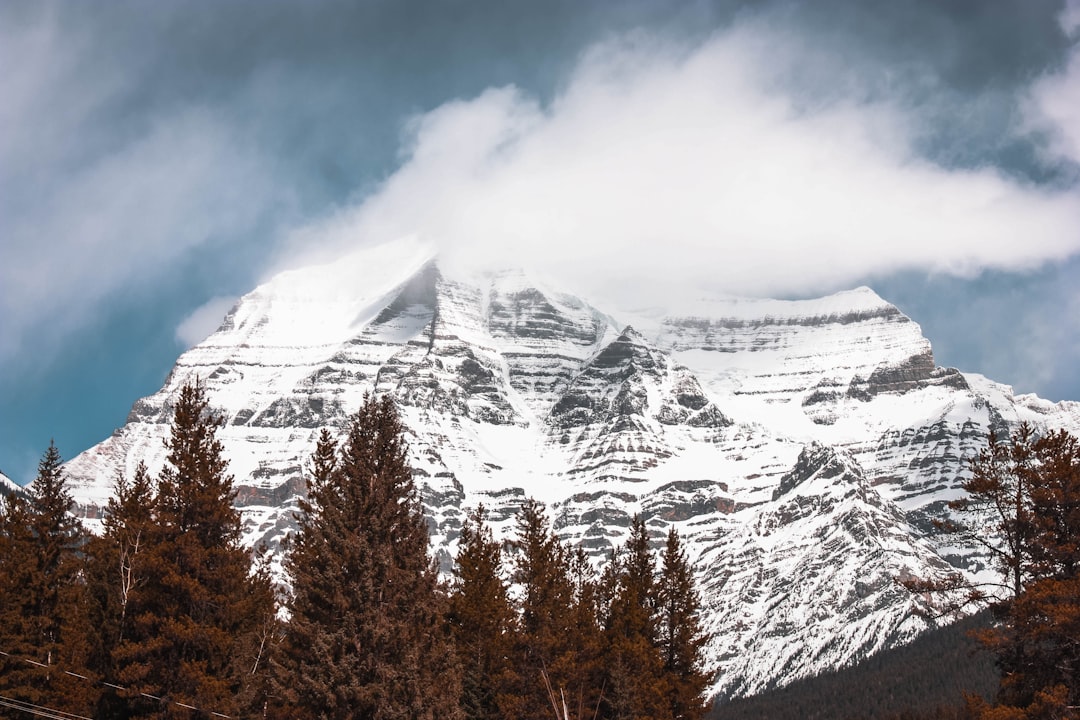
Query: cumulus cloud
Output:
(203,321)
(659,165)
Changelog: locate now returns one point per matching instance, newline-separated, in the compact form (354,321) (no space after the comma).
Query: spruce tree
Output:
(682,639)
(367,636)
(1023,507)
(554,661)
(632,653)
(482,621)
(1037,639)
(44,617)
(586,653)
(115,568)
(198,602)
(18,642)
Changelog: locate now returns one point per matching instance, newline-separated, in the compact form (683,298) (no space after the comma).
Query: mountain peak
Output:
(782,438)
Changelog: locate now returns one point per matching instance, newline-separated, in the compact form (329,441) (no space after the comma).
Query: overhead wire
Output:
(61,715)
(39,710)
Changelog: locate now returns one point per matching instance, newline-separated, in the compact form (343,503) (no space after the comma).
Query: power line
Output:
(39,710)
(61,715)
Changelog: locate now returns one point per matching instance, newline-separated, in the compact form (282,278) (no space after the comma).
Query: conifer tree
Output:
(682,639)
(17,577)
(115,569)
(1037,639)
(367,634)
(544,614)
(633,659)
(198,601)
(41,594)
(553,660)
(482,621)
(588,647)
(1023,507)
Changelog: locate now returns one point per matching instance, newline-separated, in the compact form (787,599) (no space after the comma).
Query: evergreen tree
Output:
(546,657)
(1023,507)
(682,639)
(586,653)
(41,595)
(1037,641)
(114,568)
(366,637)
(633,658)
(18,679)
(196,601)
(482,621)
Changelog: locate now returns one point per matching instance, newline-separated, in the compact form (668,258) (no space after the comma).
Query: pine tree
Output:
(18,679)
(632,653)
(115,570)
(586,652)
(367,634)
(1023,507)
(682,639)
(41,593)
(544,612)
(198,601)
(557,648)
(482,621)
(1037,640)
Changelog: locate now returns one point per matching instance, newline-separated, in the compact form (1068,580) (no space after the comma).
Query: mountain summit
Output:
(802,448)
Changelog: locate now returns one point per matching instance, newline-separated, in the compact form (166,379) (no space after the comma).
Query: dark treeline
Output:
(166,615)
(925,679)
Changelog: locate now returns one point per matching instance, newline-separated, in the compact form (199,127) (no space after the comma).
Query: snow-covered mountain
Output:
(7,485)
(802,448)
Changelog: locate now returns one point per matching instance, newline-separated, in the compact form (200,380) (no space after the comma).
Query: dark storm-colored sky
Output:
(156,157)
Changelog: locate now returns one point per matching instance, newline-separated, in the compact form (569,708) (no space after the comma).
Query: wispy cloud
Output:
(203,321)
(89,212)
(660,165)
(1055,106)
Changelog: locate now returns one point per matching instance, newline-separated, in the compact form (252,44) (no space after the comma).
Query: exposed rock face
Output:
(802,448)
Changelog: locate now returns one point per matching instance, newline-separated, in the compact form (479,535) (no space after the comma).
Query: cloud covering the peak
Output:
(715,166)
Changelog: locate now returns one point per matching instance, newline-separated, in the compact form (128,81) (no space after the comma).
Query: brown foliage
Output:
(367,633)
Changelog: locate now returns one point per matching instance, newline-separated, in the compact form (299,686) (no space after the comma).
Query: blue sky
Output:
(158,160)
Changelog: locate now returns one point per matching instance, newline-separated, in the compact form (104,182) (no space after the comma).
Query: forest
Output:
(165,614)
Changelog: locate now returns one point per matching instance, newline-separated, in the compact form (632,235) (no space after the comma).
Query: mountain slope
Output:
(802,448)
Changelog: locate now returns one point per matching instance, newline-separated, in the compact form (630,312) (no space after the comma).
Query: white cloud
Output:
(658,167)
(97,204)
(120,222)
(1056,96)
(203,321)
(1070,19)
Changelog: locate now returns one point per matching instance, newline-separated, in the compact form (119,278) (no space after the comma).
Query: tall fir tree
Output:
(18,679)
(682,638)
(367,636)
(115,570)
(43,618)
(482,621)
(632,652)
(586,652)
(552,660)
(199,601)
